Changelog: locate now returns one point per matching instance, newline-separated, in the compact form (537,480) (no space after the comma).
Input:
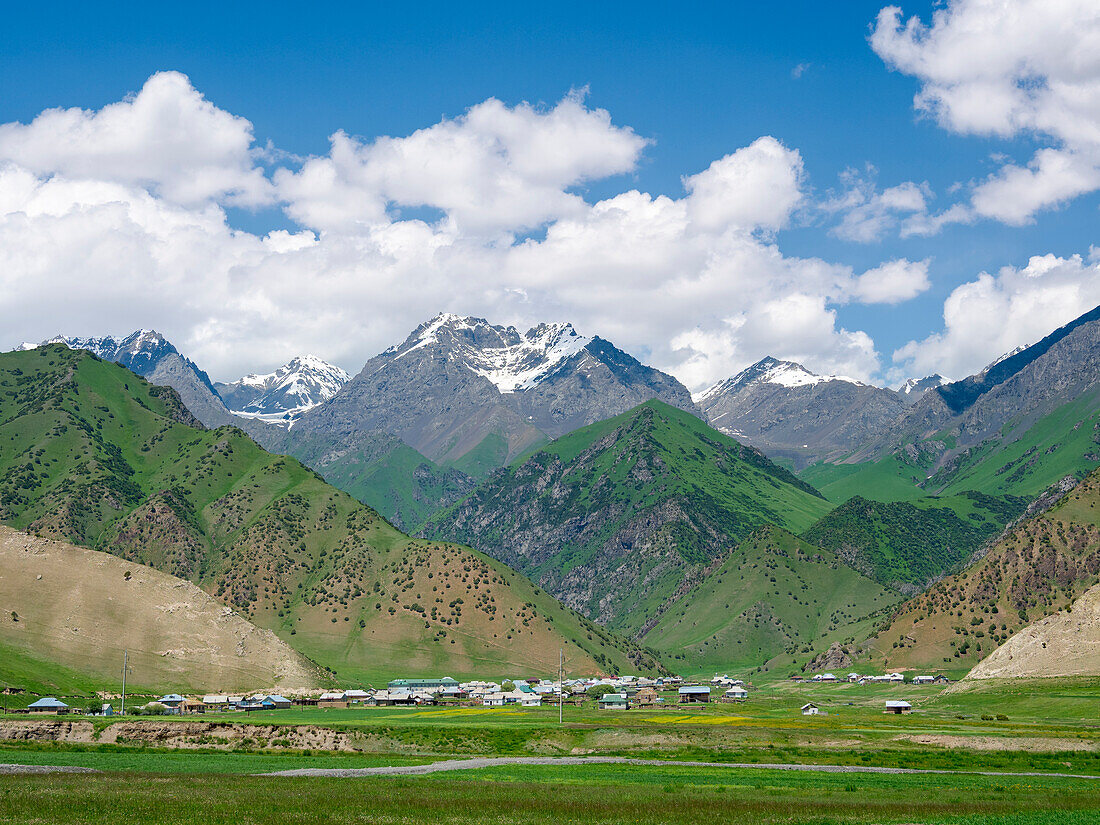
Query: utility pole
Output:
(125,667)
(561,682)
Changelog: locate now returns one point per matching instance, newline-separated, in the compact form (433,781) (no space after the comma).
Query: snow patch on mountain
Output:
(283,395)
(912,385)
(772,371)
(510,360)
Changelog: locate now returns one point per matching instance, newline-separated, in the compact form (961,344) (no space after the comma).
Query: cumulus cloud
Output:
(695,284)
(996,313)
(1030,67)
(495,169)
(755,187)
(167,137)
(892,282)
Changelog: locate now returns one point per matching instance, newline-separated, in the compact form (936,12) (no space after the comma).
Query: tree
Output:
(599,691)
(508,687)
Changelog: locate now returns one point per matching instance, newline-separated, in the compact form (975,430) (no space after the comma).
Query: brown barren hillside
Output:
(1065,644)
(81,609)
(1038,569)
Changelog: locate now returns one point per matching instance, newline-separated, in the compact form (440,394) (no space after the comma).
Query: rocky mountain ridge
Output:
(615,517)
(472,396)
(280,397)
(789,412)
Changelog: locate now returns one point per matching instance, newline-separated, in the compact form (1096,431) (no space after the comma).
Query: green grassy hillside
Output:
(1023,459)
(93,454)
(384,473)
(615,517)
(905,545)
(771,604)
(1036,570)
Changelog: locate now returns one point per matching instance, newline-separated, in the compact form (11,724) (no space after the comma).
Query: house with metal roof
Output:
(613,701)
(735,693)
(423,684)
(898,706)
(48,704)
(694,693)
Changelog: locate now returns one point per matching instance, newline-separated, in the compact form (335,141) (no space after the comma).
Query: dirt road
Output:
(490,762)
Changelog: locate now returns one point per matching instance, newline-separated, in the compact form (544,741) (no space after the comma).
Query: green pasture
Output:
(584,794)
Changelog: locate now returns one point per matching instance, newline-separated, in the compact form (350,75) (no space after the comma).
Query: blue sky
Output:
(699,81)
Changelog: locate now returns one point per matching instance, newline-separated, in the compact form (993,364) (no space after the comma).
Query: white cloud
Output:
(994,314)
(868,214)
(694,284)
(167,137)
(892,282)
(1006,69)
(495,169)
(755,187)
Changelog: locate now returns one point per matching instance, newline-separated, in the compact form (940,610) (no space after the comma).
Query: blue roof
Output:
(171,697)
(277,698)
(695,689)
(48,702)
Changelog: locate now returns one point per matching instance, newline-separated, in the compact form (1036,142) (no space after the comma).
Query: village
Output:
(605,693)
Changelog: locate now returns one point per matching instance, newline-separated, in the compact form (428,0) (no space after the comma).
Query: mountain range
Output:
(812,509)
(469,394)
(1016,427)
(95,456)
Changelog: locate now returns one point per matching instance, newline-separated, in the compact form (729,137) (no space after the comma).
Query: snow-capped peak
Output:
(511,360)
(772,371)
(283,395)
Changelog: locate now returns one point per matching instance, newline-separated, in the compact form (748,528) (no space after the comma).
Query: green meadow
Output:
(996,750)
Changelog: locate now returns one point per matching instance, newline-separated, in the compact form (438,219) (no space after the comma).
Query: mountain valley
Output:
(95,456)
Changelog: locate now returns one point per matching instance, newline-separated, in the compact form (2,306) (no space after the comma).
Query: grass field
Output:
(1028,727)
(588,794)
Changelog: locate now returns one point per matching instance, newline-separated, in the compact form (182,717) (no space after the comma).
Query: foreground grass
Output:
(155,760)
(592,796)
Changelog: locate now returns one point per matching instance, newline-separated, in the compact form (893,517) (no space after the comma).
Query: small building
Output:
(646,696)
(810,709)
(277,701)
(940,679)
(923,680)
(694,693)
(898,706)
(423,684)
(172,701)
(332,699)
(391,698)
(613,701)
(193,706)
(48,704)
(215,701)
(493,700)
(355,696)
(735,694)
